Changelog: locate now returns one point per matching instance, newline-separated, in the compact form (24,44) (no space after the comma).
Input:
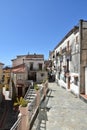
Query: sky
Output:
(36,26)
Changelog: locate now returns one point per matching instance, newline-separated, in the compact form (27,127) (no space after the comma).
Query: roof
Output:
(35,56)
(20,65)
(30,56)
(19,69)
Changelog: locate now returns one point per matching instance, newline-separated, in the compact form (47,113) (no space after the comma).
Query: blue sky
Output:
(36,26)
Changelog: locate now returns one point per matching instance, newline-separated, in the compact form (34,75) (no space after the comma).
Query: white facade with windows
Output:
(27,68)
(34,66)
(69,60)
(66,61)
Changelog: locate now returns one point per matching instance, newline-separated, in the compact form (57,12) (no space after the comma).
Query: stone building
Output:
(1,77)
(27,68)
(1,70)
(6,76)
(69,59)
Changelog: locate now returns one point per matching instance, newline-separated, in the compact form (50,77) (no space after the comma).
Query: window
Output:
(76,80)
(64,50)
(40,66)
(68,46)
(42,74)
(76,39)
(60,50)
(31,66)
(77,48)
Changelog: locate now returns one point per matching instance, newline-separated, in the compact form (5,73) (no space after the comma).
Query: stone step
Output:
(31,94)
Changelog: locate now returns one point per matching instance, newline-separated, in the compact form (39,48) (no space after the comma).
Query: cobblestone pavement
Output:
(66,111)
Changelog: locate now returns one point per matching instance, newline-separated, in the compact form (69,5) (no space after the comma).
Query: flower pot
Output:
(23,110)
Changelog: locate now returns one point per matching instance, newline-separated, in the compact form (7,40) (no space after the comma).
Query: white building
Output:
(69,59)
(26,68)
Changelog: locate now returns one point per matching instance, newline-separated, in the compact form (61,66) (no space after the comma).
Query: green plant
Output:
(21,102)
(36,87)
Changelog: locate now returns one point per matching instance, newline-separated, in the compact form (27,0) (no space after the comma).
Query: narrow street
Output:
(66,111)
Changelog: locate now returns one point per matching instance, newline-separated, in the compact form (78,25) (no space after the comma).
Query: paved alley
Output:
(66,111)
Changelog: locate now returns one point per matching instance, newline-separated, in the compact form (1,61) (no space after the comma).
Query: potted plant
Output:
(36,87)
(24,110)
(22,105)
(21,102)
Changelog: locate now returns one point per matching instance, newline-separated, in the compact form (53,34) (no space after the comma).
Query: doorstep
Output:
(83,97)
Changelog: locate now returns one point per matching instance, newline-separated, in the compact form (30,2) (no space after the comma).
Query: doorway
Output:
(32,76)
(20,93)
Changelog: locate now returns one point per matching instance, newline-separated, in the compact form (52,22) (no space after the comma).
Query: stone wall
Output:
(83,54)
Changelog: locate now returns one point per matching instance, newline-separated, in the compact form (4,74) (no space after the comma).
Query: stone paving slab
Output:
(67,112)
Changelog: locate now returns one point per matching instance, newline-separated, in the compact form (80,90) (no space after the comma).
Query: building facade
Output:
(1,70)
(1,80)
(27,68)
(69,60)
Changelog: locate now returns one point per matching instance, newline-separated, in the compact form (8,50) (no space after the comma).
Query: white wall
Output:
(75,62)
(35,64)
